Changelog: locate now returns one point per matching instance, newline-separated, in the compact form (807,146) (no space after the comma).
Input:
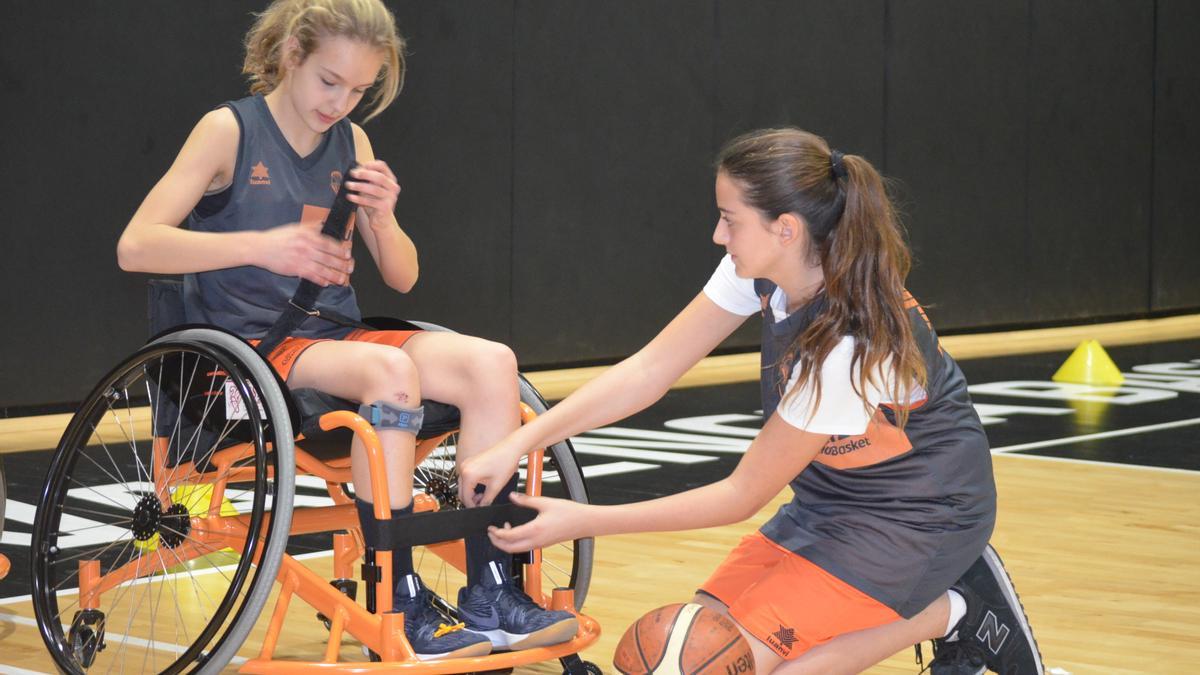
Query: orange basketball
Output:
(684,639)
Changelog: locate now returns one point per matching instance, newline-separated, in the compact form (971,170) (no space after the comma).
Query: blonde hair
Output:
(308,21)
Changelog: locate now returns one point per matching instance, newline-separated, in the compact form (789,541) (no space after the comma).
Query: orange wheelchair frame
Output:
(167,532)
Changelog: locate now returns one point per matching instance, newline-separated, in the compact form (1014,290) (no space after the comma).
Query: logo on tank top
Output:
(335,180)
(259,174)
(836,446)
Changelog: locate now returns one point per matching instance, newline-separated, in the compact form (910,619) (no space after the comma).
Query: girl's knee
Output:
(392,376)
(492,361)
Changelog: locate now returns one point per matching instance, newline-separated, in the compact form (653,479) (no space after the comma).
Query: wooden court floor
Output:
(1106,557)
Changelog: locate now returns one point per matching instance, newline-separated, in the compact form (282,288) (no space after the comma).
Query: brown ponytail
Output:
(855,235)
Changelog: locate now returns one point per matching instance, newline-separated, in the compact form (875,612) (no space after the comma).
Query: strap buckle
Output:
(310,312)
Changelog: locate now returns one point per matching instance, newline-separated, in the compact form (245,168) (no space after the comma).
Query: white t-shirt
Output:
(841,410)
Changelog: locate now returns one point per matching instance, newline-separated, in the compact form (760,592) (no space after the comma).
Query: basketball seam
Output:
(637,641)
(670,631)
(714,657)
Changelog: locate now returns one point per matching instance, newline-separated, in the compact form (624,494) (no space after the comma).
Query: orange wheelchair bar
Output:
(382,632)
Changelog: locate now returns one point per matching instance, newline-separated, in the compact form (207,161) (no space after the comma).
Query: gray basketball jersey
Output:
(898,514)
(272,185)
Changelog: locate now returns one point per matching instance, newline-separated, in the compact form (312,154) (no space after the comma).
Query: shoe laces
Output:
(444,629)
(421,612)
(958,652)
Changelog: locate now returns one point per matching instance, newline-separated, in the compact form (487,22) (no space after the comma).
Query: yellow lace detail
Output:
(446,628)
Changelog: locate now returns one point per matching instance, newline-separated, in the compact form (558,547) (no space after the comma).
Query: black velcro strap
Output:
(431,527)
(303,303)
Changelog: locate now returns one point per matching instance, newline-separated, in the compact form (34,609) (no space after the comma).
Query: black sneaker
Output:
(994,634)
(495,607)
(431,634)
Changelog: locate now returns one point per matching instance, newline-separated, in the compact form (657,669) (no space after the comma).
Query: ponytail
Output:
(855,236)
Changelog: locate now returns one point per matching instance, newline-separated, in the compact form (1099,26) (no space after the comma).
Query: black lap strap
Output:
(431,527)
(304,303)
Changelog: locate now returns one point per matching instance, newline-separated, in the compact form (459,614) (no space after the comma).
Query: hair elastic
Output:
(835,164)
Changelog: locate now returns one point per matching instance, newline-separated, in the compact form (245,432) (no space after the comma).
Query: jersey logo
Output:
(259,174)
(782,640)
(335,180)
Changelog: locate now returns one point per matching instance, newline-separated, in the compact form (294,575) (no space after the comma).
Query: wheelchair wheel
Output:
(165,511)
(565,565)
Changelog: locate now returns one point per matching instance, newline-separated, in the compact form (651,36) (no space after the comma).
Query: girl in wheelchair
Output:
(239,214)
(885,543)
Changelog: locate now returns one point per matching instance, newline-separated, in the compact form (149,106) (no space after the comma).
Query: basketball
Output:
(683,639)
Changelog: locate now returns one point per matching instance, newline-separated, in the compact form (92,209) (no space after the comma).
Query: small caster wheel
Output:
(348,588)
(86,636)
(573,665)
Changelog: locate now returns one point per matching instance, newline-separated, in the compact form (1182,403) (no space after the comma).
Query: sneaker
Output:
(495,607)
(431,634)
(994,634)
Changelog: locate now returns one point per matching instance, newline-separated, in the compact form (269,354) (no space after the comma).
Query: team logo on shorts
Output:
(782,640)
(335,180)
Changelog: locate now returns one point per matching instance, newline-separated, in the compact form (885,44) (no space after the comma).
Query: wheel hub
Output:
(443,491)
(172,525)
(146,518)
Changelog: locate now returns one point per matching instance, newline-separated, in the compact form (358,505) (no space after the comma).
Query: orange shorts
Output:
(787,602)
(283,357)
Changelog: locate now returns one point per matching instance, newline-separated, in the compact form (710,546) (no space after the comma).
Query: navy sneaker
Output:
(495,607)
(994,634)
(431,634)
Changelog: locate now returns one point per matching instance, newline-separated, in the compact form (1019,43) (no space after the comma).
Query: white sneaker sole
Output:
(550,635)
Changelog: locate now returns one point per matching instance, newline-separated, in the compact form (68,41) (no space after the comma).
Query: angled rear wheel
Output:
(165,510)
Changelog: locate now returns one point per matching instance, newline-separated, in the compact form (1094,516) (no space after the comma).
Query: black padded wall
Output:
(1175,250)
(1090,147)
(556,158)
(956,125)
(612,197)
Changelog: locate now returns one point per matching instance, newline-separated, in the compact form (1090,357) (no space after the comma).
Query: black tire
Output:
(565,565)
(99,503)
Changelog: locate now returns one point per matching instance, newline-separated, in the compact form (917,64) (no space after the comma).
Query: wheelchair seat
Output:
(306,406)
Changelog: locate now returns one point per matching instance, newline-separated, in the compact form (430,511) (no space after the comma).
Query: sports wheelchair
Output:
(171,506)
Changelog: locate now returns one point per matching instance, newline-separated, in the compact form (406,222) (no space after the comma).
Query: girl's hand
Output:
(375,190)
(557,520)
(300,250)
(491,469)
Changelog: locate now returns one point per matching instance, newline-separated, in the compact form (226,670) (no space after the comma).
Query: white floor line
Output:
(1102,434)
(113,638)
(194,573)
(13,670)
(1095,462)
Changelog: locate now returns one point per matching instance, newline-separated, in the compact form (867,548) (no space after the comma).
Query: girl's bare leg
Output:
(366,372)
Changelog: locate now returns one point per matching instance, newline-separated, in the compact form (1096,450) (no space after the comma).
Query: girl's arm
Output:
(775,457)
(394,252)
(154,242)
(629,386)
